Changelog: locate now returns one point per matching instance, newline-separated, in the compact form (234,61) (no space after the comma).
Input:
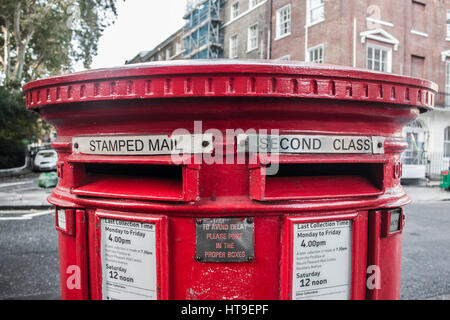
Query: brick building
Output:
(245,29)
(170,49)
(408,37)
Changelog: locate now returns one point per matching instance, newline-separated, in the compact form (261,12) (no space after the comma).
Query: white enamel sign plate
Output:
(322,260)
(62,219)
(313,144)
(143,144)
(128,256)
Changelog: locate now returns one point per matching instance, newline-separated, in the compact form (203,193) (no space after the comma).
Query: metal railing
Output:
(414,157)
(436,163)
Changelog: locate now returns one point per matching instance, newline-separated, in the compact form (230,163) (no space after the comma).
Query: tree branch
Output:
(6,48)
(17,13)
(36,64)
(18,69)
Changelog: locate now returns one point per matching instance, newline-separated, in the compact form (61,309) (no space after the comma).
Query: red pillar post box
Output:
(232,180)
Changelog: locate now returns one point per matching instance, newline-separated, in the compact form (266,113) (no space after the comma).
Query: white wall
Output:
(436,122)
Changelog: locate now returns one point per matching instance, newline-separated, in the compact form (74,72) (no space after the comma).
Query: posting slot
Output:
(316,181)
(141,181)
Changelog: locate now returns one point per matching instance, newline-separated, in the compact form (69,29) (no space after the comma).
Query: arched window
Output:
(447,142)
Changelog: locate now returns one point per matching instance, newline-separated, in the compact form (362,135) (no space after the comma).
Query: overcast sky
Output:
(140,26)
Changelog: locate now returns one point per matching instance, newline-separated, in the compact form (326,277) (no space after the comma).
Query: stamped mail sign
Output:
(142,144)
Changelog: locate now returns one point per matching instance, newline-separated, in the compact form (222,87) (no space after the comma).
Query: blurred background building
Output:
(408,37)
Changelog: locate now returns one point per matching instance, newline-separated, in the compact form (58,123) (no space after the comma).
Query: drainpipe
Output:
(306,42)
(354,42)
(306,32)
(269,32)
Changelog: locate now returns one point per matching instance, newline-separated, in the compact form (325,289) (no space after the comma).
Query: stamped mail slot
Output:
(224,240)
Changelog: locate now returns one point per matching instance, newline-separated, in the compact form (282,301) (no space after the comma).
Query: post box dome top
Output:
(231,78)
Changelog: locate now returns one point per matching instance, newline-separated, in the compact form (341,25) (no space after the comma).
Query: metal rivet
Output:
(251,259)
(380,144)
(205,144)
(197,258)
(76,145)
(199,221)
(249,220)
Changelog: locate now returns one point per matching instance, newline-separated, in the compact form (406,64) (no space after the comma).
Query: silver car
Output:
(45,160)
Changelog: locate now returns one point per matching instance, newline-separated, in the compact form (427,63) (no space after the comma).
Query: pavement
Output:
(22,192)
(427,193)
(425,251)
(36,199)
(29,264)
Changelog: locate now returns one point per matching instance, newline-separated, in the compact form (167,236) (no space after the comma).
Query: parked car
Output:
(45,160)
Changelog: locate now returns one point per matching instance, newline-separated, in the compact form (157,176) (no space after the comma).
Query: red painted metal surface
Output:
(290,97)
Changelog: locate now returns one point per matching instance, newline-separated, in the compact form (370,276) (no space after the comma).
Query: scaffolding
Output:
(202,34)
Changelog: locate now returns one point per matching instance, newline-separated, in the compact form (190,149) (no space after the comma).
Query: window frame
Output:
(232,37)
(446,150)
(388,57)
(234,11)
(249,37)
(310,9)
(168,53)
(312,49)
(415,30)
(252,3)
(447,83)
(447,24)
(278,23)
(178,47)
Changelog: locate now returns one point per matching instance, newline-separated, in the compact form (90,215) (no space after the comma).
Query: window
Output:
(418,22)
(234,46)
(234,10)
(252,37)
(379,58)
(447,142)
(283,25)
(448,24)
(168,53)
(253,3)
(416,135)
(447,84)
(417,66)
(315,9)
(315,54)
(178,47)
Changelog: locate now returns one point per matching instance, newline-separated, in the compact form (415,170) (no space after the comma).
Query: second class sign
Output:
(314,144)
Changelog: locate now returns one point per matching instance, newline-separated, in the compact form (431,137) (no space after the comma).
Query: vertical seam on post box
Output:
(81,257)
(373,255)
